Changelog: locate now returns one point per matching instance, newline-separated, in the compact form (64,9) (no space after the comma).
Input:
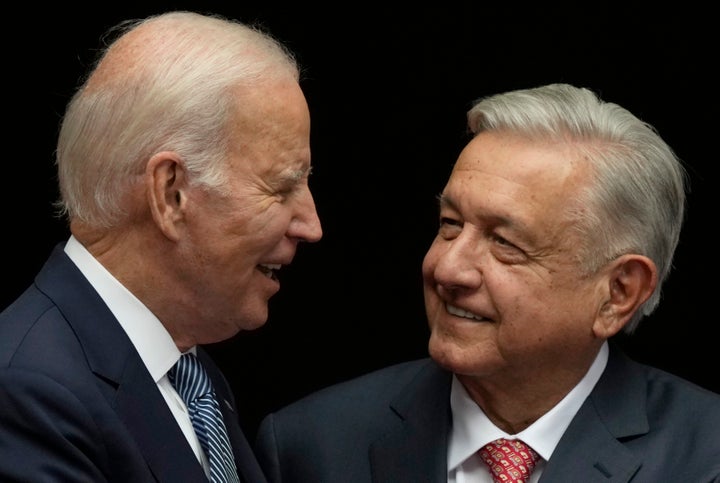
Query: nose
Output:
(454,264)
(306,226)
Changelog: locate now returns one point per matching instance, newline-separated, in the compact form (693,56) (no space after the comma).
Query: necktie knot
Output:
(509,460)
(190,379)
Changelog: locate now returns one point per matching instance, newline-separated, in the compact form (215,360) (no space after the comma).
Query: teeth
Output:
(269,268)
(462,313)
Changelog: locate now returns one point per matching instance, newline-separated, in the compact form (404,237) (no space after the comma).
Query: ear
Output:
(166,182)
(631,280)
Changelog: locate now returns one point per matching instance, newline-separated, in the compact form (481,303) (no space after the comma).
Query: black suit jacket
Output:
(393,426)
(76,401)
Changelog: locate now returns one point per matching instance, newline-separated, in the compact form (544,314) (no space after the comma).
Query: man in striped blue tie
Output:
(183,163)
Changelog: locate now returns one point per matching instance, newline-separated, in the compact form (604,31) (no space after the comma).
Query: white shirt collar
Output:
(150,338)
(472,429)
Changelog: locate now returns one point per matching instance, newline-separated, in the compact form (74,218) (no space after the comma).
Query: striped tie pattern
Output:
(193,384)
(509,461)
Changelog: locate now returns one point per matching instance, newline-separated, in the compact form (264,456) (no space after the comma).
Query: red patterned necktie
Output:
(509,460)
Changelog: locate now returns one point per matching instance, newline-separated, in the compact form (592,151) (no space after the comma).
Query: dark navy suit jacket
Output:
(76,401)
(393,425)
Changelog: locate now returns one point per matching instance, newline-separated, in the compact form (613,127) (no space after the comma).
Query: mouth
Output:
(270,270)
(457,311)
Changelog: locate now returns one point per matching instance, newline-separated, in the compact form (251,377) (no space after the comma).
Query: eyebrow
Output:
(298,174)
(445,201)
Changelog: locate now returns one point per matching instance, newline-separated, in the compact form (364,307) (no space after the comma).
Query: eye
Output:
(505,251)
(286,190)
(449,227)
(501,241)
(288,187)
(446,220)
(291,183)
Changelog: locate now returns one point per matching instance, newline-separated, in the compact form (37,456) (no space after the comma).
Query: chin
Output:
(458,358)
(253,323)
(252,314)
(443,351)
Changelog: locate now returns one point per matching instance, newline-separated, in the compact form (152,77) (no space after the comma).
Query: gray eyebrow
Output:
(300,174)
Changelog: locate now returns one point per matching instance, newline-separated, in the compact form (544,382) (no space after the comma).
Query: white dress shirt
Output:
(472,429)
(150,338)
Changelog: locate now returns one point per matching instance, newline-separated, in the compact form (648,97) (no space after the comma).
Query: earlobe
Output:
(632,279)
(166,182)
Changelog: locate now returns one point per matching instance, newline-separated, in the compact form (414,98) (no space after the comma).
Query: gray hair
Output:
(636,203)
(172,91)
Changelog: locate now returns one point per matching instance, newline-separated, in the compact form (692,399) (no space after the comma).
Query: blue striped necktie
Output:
(193,384)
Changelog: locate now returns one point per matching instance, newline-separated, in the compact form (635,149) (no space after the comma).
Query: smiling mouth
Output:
(270,270)
(464,313)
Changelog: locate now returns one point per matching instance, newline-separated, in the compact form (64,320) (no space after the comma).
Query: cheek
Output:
(544,311)
(270,226)
(259,221)
(523,304)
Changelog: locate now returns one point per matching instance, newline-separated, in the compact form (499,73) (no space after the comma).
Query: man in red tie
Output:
(557,229)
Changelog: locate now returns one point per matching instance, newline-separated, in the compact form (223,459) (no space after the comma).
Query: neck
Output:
(514,403)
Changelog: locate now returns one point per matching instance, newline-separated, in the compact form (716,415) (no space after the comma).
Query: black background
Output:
(388,88)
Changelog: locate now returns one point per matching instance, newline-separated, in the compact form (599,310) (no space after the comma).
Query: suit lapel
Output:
(147,417)
(590,450)
(591,446)
(415,448)
(122,376)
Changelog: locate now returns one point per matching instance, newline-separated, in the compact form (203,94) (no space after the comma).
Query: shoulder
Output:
(365,399)
(681,421)
(30,326)
(633,398)
(685,401)
(33,324)
(329,434)
(377,386)
(662,389)
(354,413)
(42,348)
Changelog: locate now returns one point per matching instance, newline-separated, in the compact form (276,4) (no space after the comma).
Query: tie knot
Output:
(189,378)
(509,460)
